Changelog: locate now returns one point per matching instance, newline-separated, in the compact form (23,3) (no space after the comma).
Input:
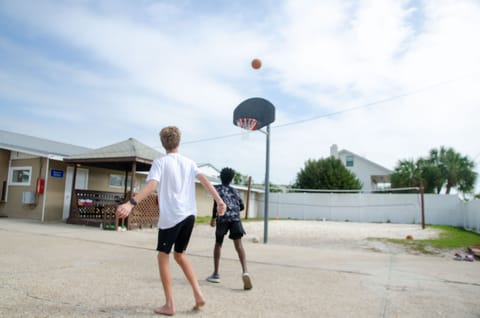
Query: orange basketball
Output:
(256,63)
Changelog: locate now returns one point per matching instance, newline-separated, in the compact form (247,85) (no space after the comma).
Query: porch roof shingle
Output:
(119,156)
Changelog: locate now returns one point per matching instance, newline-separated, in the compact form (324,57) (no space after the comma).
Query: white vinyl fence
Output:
(374,207)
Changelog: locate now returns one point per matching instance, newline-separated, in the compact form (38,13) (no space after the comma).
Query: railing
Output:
(145,214)
(97,208)
(94,207)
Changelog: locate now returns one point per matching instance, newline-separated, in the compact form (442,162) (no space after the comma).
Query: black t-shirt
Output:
(233,201)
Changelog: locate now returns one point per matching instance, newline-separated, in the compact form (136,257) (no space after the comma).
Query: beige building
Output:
(102,177)
(32,175)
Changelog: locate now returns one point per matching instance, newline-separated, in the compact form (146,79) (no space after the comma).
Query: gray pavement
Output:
(60,270)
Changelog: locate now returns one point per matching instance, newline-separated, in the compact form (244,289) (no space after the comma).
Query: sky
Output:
(388,80)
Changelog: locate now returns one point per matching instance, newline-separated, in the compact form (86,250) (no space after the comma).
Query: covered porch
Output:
(97,208)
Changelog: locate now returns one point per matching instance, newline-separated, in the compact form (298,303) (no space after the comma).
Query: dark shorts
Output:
(235,228)
(179,235)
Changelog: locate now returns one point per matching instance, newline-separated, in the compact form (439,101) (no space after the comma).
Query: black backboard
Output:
(256,107)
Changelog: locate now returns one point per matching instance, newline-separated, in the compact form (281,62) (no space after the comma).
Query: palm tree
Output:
(433,171)
(409,173)
(405,175)
(455,170)
(444,168)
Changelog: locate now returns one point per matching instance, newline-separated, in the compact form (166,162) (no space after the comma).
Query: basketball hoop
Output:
(253,114)
(248,125)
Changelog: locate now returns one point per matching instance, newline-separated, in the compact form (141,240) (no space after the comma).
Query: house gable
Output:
(372,175)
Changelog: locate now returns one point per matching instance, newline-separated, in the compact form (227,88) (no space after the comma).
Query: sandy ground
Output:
(326,234)
(306,232)
(307,269)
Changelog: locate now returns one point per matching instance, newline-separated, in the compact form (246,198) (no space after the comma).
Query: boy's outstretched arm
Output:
(221,206)
(123,210)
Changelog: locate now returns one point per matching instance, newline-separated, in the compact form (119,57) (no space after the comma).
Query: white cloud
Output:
(138,68)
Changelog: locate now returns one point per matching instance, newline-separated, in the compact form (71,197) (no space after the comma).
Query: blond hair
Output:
(170,137)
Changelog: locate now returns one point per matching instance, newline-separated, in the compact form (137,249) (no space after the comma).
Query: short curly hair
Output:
(226,175)
(170,137)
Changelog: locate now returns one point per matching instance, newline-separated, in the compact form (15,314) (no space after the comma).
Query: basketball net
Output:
(248,125)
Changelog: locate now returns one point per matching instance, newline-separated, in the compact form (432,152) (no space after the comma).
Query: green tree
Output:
(455,170)
(240,179)
(406,174)
(409,173)
(443,168)
(274,188)
(237,178)
(436,178)
(327,173)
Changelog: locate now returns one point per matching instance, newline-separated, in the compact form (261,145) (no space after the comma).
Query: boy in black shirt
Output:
(229,222)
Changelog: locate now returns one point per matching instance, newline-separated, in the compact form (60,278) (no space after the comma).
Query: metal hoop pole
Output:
(267,187)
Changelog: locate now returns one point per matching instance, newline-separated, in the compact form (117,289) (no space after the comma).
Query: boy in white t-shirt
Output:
(174,177)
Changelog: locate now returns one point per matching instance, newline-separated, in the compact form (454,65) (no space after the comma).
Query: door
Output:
(81,183)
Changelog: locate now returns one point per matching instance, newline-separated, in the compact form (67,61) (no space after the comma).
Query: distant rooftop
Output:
(37,146)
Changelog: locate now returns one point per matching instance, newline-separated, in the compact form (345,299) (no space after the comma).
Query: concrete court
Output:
(61,270)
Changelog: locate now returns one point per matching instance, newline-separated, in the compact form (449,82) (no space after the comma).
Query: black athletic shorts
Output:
(178,235)
(235,228)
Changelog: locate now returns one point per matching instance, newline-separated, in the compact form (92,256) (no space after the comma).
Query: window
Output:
(349,161)
(20,176)
(118,181)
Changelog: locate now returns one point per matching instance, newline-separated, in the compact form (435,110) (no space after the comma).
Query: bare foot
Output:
(164,310)
(199,302)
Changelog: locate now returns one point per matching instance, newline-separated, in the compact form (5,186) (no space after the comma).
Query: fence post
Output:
(422,203)
(247,203)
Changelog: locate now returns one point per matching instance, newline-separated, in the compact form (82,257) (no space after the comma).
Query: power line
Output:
(210,139)
(346,110)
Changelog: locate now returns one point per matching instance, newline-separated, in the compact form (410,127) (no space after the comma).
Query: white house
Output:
(372,175)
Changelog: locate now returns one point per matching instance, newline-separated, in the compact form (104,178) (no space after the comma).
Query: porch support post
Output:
(132,183)
(125,184)
(72,196)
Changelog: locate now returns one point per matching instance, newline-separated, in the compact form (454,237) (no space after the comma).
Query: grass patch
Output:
(450,238)
(206,220)
(202,220)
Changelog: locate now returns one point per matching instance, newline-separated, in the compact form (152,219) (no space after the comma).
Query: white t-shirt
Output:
(175,175)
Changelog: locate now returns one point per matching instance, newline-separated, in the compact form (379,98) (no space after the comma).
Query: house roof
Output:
(119,156)
(387,171)
(209,170)
(37,146)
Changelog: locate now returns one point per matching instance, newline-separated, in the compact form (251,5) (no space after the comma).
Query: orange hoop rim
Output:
(247,123)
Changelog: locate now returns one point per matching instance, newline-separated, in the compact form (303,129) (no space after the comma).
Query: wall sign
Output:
(55,173)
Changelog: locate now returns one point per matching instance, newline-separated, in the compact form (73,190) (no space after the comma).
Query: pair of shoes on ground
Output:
(468,257)
(457,257)
(247,282)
